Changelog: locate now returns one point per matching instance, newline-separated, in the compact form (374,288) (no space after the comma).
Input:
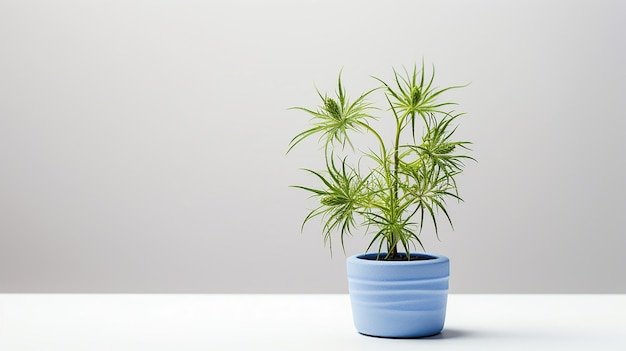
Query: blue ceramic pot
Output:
(398,299)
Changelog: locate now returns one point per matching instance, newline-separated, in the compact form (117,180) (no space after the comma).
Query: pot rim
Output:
(436,259)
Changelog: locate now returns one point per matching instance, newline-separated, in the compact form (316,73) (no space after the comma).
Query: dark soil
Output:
(397,257)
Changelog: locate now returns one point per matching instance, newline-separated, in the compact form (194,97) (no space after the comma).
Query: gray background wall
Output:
(142,142)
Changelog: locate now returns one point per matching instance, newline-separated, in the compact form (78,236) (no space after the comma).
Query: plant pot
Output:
(398,299)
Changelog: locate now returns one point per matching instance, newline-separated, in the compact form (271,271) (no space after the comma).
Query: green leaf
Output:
(404,185)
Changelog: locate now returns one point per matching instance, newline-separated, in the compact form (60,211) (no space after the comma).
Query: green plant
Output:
(407,180)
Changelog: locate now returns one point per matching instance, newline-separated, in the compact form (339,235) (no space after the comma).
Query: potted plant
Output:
(390,189)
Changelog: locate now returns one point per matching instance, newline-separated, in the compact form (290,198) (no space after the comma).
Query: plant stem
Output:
(396,161)
(380,140)
(394,188)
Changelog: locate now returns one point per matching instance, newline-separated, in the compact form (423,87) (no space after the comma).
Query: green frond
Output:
(404,185)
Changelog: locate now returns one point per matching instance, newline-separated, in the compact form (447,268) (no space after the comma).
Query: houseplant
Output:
(390,190)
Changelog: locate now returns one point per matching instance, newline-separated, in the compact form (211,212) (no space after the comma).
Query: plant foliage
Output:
(410,177)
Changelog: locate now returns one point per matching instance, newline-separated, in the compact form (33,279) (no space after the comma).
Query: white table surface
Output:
(117,322)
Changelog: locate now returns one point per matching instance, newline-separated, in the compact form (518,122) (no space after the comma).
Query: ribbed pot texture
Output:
(398,299)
